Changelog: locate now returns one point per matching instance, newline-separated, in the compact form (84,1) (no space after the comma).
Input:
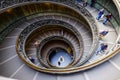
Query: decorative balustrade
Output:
(70,3)
(43,22)
(94,29)
(79,8)
(32,27)
(44,60)
(94,32)
(5,3)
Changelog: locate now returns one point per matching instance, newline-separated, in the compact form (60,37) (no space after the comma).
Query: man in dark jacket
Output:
(92,3)
(108,17)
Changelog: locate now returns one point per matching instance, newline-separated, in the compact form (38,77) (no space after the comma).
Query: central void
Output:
(60,58)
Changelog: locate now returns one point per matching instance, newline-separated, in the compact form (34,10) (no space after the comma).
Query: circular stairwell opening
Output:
(59,57)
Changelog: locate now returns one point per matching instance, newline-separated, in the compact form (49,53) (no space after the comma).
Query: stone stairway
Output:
(51,33)
(11,66)
(87,37)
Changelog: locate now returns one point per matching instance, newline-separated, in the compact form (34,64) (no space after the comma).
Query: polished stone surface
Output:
(60,59)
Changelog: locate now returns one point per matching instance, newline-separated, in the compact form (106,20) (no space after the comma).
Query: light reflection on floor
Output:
(55,59)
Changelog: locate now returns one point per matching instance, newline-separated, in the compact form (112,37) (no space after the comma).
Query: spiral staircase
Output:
(77,33)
